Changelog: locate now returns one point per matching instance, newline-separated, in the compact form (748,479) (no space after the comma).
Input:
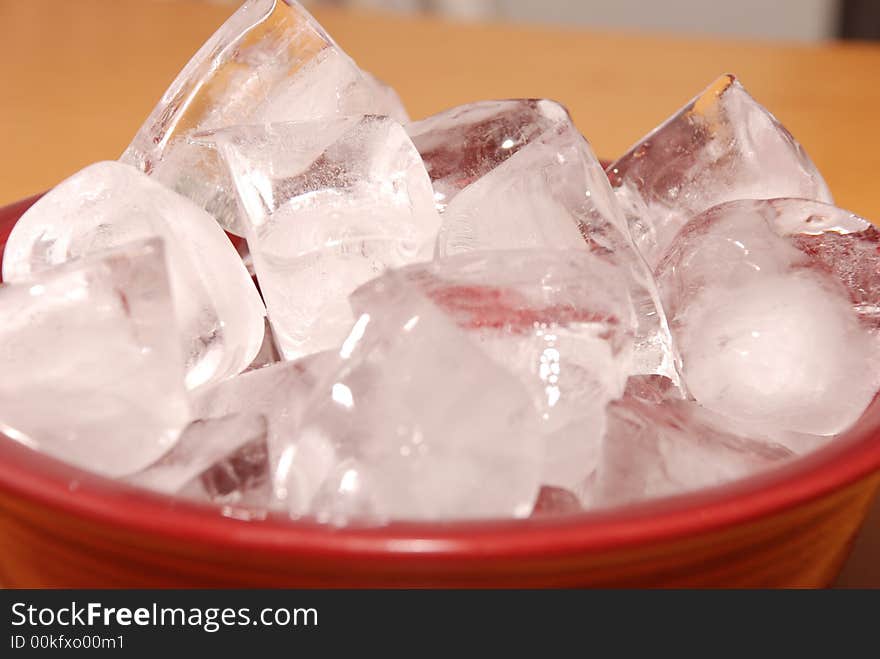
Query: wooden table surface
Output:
(80,76)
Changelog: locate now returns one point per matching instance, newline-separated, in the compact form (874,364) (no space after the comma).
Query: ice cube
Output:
(654,450)
(91,371)
(768,331)
(420,424)
(517,174)
(270,62)
(721,146)
(242,481)
(659,390)
(842,244)
(380,98)
(561,321)
(329,205)
(463,144)
(279,392)
(219,311)
(203,445)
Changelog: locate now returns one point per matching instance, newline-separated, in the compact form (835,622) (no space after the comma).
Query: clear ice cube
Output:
(207,446)
(329,206)
(416,423)
(279,392)
(773,310)
(659,390)
(561,321)
(654,450)
(515,174)
(721,146)
(270,62)
(106,205)
(463,144)
(518,174)
(91,371)
(241,482)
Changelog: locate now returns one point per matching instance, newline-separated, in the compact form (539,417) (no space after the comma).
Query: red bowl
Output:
(60,526)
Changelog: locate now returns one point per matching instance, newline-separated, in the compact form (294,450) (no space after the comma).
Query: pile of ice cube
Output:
(465,318)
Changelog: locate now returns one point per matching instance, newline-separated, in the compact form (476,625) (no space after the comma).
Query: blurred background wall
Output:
(795,20)
(808,20)
(798,20)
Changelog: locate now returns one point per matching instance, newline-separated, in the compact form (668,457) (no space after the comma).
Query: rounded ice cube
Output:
(107,204)
(773,306)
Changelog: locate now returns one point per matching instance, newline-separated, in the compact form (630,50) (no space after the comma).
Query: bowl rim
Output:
(107,503)
(40,479)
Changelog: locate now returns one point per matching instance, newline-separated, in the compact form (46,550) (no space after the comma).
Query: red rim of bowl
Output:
(844,461)
(41,479)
